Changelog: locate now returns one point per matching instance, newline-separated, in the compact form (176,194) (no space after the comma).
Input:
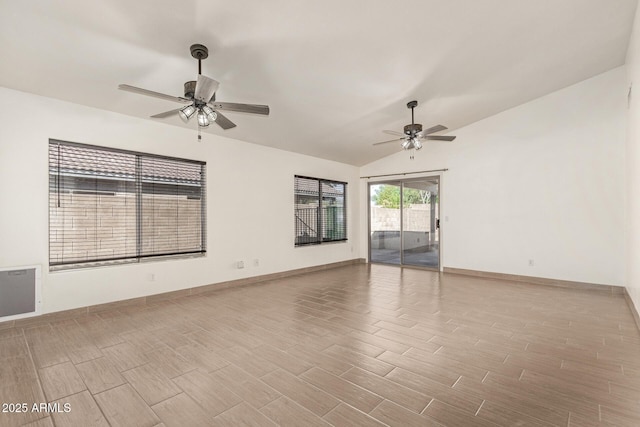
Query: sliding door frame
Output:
(401,182)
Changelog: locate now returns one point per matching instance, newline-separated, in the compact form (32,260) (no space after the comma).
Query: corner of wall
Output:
(632,172)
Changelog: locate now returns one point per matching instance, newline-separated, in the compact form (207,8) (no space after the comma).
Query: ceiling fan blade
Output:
(223,122)
(242,108)
(147,92)
(393,132)
(391,140)
(165,114)
(433,129)
(205,88)
(440,138)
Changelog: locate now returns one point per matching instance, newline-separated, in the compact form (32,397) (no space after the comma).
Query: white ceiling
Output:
(334,72)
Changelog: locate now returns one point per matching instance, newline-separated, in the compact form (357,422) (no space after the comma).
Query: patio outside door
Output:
(404,222)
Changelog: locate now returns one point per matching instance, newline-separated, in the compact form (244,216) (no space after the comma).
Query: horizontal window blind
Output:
(171,207)
(320,210)
(334,220)
(112,206)
(307,210)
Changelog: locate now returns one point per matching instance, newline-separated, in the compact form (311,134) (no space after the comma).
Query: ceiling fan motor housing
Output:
(190,89)
(412,129)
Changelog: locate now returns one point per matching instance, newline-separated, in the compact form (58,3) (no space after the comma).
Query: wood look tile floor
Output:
(353,346)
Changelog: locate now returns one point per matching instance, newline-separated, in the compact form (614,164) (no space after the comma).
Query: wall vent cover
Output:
(19,292)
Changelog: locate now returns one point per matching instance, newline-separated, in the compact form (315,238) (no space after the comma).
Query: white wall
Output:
(633,166)
(542,181)
(246,179)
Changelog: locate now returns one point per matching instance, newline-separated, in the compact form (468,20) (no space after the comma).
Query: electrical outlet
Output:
(240,264)
(530,263)
(256,262)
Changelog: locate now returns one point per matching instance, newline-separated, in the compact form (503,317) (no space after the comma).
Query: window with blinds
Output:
(320,210)
(111,206)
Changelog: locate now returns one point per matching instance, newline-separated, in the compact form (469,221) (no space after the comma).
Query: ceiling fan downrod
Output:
(412,105)
(412,129)
(199,52)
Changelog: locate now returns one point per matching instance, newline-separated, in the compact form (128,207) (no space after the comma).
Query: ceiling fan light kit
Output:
(412,136)
(203,122)
(187,112)
(208,111)
(200,97)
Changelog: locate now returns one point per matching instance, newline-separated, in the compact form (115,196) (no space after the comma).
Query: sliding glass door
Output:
(404,222)
(385,221)
(420,231)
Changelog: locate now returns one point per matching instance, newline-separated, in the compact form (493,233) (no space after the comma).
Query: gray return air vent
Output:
(19,292)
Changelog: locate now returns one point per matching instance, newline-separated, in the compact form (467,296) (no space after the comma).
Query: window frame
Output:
(321,223)
(54,191)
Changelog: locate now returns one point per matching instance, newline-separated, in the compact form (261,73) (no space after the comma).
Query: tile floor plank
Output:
(450,416)
(390,390)
(182,411)
(99,375)
(61,380)
(346,391)
(305,394)
(347,416)
(243,415)
(396,415)
(456,398)
(26,392)
(316,358)
(83,411)
(287,413)
(201,358)
(207,392)
(505,416)
(44,422)
(283,359)
(360,360)
(124,407)
(78,345)
(248,360)
(13,346)
(170,363)
(424,368)
(151,384)
(125,356)
(250,388)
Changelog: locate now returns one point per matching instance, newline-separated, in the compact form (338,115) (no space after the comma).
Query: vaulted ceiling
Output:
(334,72)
